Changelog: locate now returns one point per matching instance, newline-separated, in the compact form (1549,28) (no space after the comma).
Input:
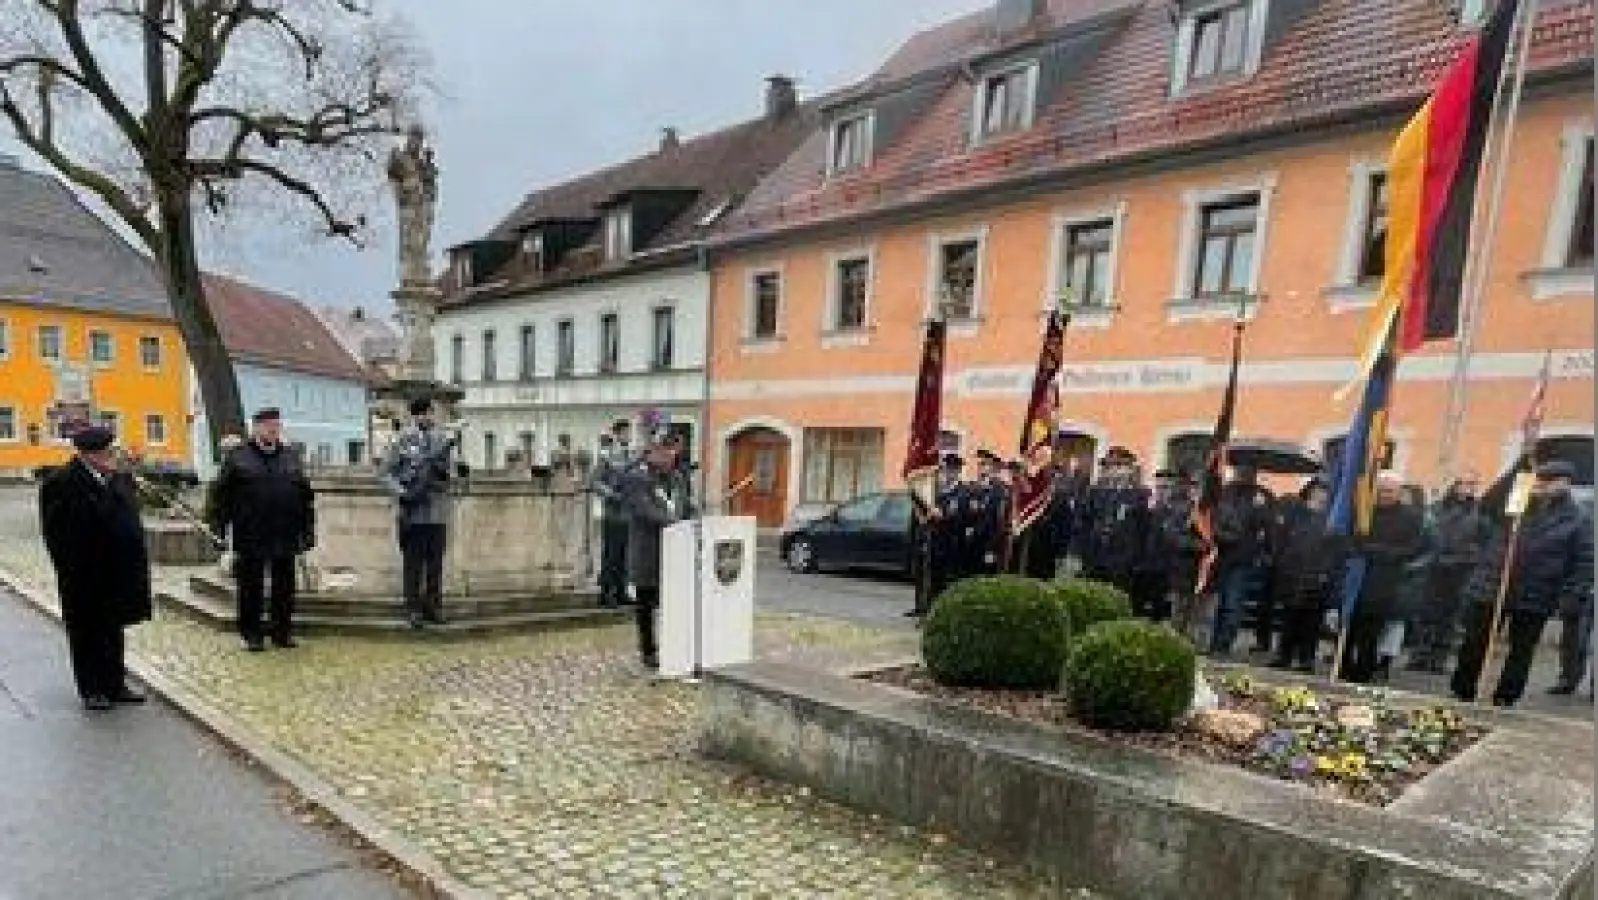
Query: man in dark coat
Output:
(1065,510)
(1551,569)
(987,512)
(1302,579)
(938,541)
(1151,597)
(262,497)
(605,482)
(1397,536)
(657,494)
(1459,531)
(1115,520)
(1243,520)
(89,513)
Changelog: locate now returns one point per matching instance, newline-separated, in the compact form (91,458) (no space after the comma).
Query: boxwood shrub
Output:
(1087,603)
(1130,675)
(1000,632)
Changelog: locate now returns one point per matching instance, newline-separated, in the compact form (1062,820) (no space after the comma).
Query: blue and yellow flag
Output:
(1354,482)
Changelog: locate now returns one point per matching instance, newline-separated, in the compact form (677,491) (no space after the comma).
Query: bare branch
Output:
(337,226)
(39,139)
(67,19)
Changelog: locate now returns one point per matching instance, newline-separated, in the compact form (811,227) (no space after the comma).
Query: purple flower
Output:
(1276,743)
(1301,766)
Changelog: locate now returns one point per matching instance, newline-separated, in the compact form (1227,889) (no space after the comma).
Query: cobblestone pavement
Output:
(545,766)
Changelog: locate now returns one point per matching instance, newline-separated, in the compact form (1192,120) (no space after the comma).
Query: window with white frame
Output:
(526,353)
(841,464)
(533,251)
(851,292)
(490,355)
(1007,101)
(1373,229)
(490,450)
(1217,41)
(1224,262)
(150,351)
(1579,253)
(958,265)
(665,334)
(50,343)
(155,430)
(457,359)
(525,442)
(1087,261)
(1471,11)
(8,423)
(609,342)
(102,348)
(565,347)
(618,234)
(765,305)
(462,270)
(850,141)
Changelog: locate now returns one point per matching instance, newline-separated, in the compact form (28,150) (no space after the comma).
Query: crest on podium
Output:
(729,561)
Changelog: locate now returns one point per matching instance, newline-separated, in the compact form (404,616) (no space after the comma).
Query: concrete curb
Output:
(321,795)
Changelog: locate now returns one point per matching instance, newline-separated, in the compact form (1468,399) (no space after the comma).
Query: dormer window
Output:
(850,143)
(1007,101)
(618,234)
(533,251)
(1218,41)
(462,266)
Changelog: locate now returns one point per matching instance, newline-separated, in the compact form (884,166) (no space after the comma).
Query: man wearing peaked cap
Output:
(1550,574)
(89,513)
(263,498)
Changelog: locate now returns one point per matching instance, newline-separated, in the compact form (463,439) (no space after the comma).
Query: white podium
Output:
(707,595)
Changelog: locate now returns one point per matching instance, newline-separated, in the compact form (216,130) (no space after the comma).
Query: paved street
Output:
(137,803)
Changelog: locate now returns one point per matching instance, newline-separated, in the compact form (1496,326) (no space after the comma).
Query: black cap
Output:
(987,455)
(267,414)
(1556,469)
(1015,465)
(421,407)
(953,461)
(92,438)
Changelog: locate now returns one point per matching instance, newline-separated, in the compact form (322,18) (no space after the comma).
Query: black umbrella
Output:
(1273,456)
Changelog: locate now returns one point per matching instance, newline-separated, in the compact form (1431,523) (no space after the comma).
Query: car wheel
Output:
(802,555)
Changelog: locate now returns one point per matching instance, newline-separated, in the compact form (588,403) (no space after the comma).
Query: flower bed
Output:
(1366,750)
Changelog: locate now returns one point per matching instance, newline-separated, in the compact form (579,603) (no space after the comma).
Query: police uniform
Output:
(1115,523)
(940,538)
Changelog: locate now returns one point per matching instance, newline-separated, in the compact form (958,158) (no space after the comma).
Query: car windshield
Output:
(861,511)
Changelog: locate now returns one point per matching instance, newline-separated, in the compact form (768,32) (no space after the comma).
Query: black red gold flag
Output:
(926,421)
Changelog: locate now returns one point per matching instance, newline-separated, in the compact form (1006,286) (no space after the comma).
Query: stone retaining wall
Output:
(1511,818)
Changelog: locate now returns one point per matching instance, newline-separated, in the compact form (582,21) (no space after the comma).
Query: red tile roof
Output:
(273,330)
(1330,59)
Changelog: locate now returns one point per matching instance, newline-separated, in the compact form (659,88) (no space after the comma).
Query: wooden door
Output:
(758,470)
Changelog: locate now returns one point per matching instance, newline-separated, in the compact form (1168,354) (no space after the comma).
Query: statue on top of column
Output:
(414,177)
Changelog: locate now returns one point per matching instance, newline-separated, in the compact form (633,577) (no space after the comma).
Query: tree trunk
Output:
(180,266)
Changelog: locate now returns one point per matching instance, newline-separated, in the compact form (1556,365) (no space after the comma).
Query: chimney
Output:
(668,140)
(358,314)
(781,97)
(1011,16)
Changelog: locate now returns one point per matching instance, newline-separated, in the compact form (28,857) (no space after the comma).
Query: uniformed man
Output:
(1115,521)
(987,509)
(1151,599)
(89,513)
(605,482)
(942,537)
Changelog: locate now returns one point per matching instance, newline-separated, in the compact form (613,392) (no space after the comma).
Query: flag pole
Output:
(1480,263)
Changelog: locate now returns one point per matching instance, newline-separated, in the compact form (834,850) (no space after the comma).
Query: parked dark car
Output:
(870,532)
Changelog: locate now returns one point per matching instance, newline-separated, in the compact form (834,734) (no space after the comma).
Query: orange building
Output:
(84,328)
(1160,167)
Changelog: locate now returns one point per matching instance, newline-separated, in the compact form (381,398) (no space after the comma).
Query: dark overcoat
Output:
(95,539)
(264,500)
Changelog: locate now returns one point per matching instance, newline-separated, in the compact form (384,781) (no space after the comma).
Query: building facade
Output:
(1157,183)
(85,330)
(587,305)
(284,356)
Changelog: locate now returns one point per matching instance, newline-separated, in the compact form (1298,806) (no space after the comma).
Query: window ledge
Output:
(964,326)
(771,344)
(1094,315)
(1210,309)
(1552,284)
(846,337)
(1342,298)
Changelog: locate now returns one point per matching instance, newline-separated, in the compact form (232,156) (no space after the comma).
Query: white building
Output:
(586,305)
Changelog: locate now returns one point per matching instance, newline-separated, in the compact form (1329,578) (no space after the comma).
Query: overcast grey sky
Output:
(536,91)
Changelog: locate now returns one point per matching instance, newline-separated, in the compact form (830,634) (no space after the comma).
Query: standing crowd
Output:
(1420,586)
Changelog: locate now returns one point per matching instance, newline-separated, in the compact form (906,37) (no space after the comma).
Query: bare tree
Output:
(168,110)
